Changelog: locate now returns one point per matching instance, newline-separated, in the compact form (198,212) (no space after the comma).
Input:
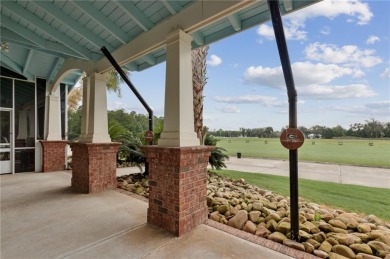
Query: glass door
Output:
(5,141)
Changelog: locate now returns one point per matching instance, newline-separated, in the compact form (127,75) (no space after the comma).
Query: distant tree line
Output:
(267,132)
(369,129)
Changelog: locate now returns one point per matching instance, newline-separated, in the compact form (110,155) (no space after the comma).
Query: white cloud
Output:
(372,39)
(266,31)
(349,55)
(356,11)
(294,23)
(313,80)
(336,91)
(117,105)
(291,31)
(230,109)
(305,73)
(246,99)
(386,73)
(372,109)
(214,61)
(384,104)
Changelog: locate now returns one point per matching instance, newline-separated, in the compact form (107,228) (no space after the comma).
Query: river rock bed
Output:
(324,232)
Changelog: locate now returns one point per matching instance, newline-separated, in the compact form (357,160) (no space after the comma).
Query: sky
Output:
(340,57)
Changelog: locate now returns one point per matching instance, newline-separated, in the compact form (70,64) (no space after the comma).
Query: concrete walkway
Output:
(345,174)
(42,218)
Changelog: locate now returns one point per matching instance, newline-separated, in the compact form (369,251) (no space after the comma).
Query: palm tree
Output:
(199,80)
(113,85)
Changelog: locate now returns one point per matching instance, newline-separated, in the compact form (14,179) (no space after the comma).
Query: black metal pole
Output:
(132,87)
(130,84)
(277,23)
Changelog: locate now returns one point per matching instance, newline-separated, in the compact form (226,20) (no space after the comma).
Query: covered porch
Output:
(55,43)
(42,218)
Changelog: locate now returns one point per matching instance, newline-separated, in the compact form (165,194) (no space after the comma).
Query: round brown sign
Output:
(149,136)
(292,138)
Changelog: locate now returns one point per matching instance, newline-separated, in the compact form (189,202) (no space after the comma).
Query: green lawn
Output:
(353,198)
(349,151)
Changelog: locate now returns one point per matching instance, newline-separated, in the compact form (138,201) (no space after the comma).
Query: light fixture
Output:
(4,46)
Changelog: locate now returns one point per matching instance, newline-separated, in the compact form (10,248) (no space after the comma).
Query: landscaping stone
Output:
(336,256)
(254,216)
(321,254)
(239,220)
(262,232)
(294,244)
(324,232)
(309,248)
(250,227)
(366,256)
(326,227)
(344,251)
(377,246)
(284,227)
(277,237)
(361,248)
(337,223)
(223,208)
(325,246)
(363,228)
(272,225)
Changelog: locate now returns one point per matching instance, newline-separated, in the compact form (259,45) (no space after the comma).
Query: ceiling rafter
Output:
(22,13)
(288,5)
(19,35)
(15,66)
(28,60)
(235,21)
(198,38)
(172,6)
(16,38)
(71,24)
(150,59)
(102,20)
(57,63)
(132,66)
(133,11)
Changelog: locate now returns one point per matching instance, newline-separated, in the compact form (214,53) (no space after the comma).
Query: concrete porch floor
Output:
(42,218)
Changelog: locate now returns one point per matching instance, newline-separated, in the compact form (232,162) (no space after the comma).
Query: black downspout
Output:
(277,23)
(132,87)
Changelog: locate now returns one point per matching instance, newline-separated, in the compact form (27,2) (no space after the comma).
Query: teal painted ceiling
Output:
(41,35)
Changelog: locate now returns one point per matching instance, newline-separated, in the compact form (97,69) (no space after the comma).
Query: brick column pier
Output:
(94,166)
(177,187)
(53,155)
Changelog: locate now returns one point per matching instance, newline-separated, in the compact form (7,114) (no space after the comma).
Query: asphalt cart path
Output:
(344,174)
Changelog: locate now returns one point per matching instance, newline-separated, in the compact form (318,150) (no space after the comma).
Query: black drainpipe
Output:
(277,23)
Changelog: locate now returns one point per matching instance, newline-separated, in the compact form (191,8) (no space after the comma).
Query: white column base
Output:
(178,139)
(96,138)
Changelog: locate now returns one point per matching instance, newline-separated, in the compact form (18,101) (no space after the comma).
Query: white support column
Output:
(66,113)
(178,112)
(97,111)
(54,117)
(85,109)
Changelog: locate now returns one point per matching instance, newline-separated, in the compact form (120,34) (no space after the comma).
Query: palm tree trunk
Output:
(199,80)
